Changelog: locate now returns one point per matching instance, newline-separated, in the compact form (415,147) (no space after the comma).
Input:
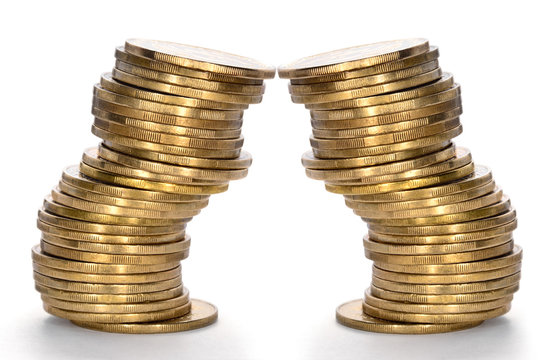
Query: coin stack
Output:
(113,230)
(440,230)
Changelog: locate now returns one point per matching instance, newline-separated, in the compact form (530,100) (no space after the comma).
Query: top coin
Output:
(353,58)
(195,57)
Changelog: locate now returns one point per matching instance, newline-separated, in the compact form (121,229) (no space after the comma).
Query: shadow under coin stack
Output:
(440,230)
(113,230)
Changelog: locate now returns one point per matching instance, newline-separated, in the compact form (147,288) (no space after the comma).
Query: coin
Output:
(439,289)
(116,308)
(446,278)
(159,167)
(372,90)
(395,65)
(42,258)
(353,83)
(382,304)
(436,318)
(353,58)
(445,298)
(351,314)
(208,85)
(242,161)
(119,318)
(111,298)
(168,129)
(121,54)
(195,57)
(108,83)
(90,288)
(201,314)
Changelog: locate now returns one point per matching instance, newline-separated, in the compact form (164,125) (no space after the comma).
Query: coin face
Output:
(362,56)
(199,57)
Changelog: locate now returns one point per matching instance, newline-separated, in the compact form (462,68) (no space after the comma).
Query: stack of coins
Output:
(440,230)
(113,230)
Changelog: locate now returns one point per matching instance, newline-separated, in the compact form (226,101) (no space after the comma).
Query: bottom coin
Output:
(201,314)
(351,314)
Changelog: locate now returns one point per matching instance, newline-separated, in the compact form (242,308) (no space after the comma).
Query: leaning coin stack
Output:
(113,230)
(440,230)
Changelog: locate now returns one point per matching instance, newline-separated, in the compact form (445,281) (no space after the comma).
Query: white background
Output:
(276,253)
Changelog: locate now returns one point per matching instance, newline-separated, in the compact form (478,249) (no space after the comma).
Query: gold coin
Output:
(354,83)
(372,90)
(44,259)
(440,210)
(440,289)
(116,308)
(390,138)
(504,261)
(243,161)
(172,89)
(435,308)
(442,258)
(311,162)
(389,168)
(201,314)
(111,258)
(170,207)
(168,129)
(114,289)
(446,278)
(109,84)
(189,82)
(390,148)
(162,108)
(423,203)
(390,66)
(72,176)
(462,158)
(484,212)
(151,185)
(353,58)
(451,95)
(445,238)
(435,318)
(200,58)
(402,185)
(435,248)
(387,119)
(351,314)
(58,209)
(481,176)
(130,141)
(73,202)
(175,170)
(385,129)
(110,298)
(119,318)
(129,112)
(121,54)
(108,238)
(163,138)
(148,277)
(444,298)
(98,228)
(444,83)
(137,249)
(91,158)
(469,226)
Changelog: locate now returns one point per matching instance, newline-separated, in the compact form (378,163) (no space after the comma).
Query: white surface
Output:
(276,253)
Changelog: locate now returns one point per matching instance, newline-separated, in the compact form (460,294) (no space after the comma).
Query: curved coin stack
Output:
(113,230)
(440,230)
